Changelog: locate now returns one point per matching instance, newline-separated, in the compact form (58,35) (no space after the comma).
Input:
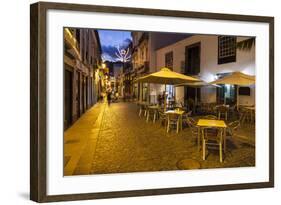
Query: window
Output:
(226,49)
(192,59)
(169,60)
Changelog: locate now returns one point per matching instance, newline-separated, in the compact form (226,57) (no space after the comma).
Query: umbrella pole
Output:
(237,97)
(195,100)
(224,96)
(165,102)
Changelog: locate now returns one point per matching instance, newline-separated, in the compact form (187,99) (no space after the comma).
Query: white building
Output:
(208,57)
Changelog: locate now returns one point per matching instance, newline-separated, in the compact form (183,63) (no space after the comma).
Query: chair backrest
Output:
(210,117)
(191,122)
(161,113)
(173,116)
(233,107)
(213,133)
(186,115)
(233,126)
(222,108)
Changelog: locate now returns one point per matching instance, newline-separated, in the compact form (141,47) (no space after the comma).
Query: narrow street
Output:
(114,139)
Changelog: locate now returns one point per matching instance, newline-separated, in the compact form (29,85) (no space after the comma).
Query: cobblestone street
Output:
(114,139)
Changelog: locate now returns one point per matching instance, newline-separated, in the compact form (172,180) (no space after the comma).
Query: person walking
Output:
(108,97)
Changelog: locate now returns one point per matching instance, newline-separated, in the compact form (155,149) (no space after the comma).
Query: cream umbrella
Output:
(167,77)
(236,78)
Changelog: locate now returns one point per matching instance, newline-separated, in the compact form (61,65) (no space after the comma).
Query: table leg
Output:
(181,122)
(224,140)
(198,139)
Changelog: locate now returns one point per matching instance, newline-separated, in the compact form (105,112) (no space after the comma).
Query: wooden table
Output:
(211,123)
(178,112)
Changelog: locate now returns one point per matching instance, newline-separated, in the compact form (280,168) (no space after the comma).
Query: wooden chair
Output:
(185,117)
(222,110)
(173,119)
(151,113)
(244,115)
(232,128)
(162,117)
(233,111)
(192,124)
(211,136)
(141,109)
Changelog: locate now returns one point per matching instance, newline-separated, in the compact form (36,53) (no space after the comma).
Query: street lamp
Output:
(103,65)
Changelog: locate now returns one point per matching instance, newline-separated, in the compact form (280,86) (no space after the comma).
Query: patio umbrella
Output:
(167,77)
(236,78)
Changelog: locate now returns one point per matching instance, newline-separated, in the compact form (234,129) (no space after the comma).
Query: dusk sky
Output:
(110,40)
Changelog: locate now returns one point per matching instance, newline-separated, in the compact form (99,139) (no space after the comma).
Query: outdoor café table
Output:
(155,109)
(178,112)
(211,123)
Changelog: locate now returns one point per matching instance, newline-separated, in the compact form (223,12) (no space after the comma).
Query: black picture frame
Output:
(38,103)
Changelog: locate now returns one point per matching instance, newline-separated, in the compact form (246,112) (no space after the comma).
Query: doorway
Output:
(192,59)
(67,98)
(226,94)
(192,67)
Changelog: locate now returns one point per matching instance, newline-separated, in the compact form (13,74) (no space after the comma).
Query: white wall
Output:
(209,67)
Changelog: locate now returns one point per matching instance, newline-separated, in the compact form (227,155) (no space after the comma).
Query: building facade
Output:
(209,57)
(82,82)
(144,60)
(140,63)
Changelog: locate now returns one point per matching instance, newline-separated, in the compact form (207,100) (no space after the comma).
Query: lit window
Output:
(226,49)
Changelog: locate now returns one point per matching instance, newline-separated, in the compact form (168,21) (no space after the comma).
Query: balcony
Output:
(144,68)
(72,42)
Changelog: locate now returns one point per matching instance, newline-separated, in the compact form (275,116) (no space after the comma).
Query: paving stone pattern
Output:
(114,139)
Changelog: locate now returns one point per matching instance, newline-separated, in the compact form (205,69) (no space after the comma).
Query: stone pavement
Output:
(114,139)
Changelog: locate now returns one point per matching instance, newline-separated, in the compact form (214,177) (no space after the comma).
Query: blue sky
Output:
(110,40)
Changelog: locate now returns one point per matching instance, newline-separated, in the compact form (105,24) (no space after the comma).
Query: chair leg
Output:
(147,116)
(168,126)
(140,112)
(204,149)
(154,117)
(220,152)
(178,126)
(198,138)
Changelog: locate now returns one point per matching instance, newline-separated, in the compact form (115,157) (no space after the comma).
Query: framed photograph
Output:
(135,102)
